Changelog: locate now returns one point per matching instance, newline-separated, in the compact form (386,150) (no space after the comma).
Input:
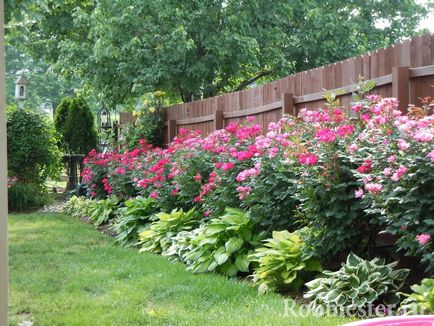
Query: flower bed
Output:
(341,175)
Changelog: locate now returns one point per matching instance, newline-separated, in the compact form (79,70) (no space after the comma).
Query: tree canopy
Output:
(192,49)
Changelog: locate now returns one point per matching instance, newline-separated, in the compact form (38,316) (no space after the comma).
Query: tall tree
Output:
(124,48)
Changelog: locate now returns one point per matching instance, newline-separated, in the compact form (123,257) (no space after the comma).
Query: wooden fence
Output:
(404,70)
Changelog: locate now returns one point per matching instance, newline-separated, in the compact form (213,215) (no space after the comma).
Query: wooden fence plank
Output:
(269,102)
(400,86)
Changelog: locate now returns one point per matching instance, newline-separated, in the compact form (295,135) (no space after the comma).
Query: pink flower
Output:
(345,130)
(431,155)
(364,117)
(120,170)
(359,193)
(403,145)
(326,135)
(353,147)
(153,194)
(245,174)
(387,172)
(391,158)
(399,173)
(373,187)
(244,192)
(423,239)
(251,118)
(357,107)
(273,152)
(197,177)
(365,167)
(308,159)
(423,136)
(227,166)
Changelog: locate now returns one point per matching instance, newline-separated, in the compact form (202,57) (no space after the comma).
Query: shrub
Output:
(75,122)
(396,158)
(159,236)
(24,196)
(33,154)
(282,264)
(224,245)
(421,301)
(324,169)
(148,126)
(357,284)
(132,219)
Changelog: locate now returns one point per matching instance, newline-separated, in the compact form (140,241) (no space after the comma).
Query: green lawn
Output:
(63,272)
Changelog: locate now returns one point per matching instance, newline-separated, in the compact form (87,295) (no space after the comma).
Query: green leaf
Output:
(233,244)
(242,263)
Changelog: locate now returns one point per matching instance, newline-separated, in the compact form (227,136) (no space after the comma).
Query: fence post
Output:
(171,129)
(288,104)
(218,120)
(401,86)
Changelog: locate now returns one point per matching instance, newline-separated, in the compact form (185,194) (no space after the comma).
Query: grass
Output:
(63,272)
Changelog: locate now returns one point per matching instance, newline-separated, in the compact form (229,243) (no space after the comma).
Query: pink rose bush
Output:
(346,174)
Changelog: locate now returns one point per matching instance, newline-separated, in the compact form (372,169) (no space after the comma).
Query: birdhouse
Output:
(21,88)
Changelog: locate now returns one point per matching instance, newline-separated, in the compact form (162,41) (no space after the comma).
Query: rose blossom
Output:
(403,145)
(353,147)
(373,187)
(227,166)
(244,192)
(308,159)
(399,173)
(387,172)
(326,135)
(359,193)
(423,239)
(431,155)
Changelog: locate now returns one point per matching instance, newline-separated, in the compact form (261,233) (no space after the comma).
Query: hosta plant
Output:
(132,219)
(282,264)
(224,245)
(421,301)
(159,236)
(358,284)
(77,206)
(181,244)
(101,211)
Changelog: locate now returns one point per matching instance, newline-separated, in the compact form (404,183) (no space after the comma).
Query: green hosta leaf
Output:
(360,301)
(391,299)
(234,217)
(400,274)
(354,281)
(313,265)
(353,260)
(242,263)
(332,296)
(214,228)
(280,235)
(233,244)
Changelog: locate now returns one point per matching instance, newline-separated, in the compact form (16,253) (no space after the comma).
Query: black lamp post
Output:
(104,127)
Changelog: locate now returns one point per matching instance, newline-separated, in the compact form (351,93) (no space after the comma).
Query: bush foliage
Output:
(33,154)
(75,122)
(330,179)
